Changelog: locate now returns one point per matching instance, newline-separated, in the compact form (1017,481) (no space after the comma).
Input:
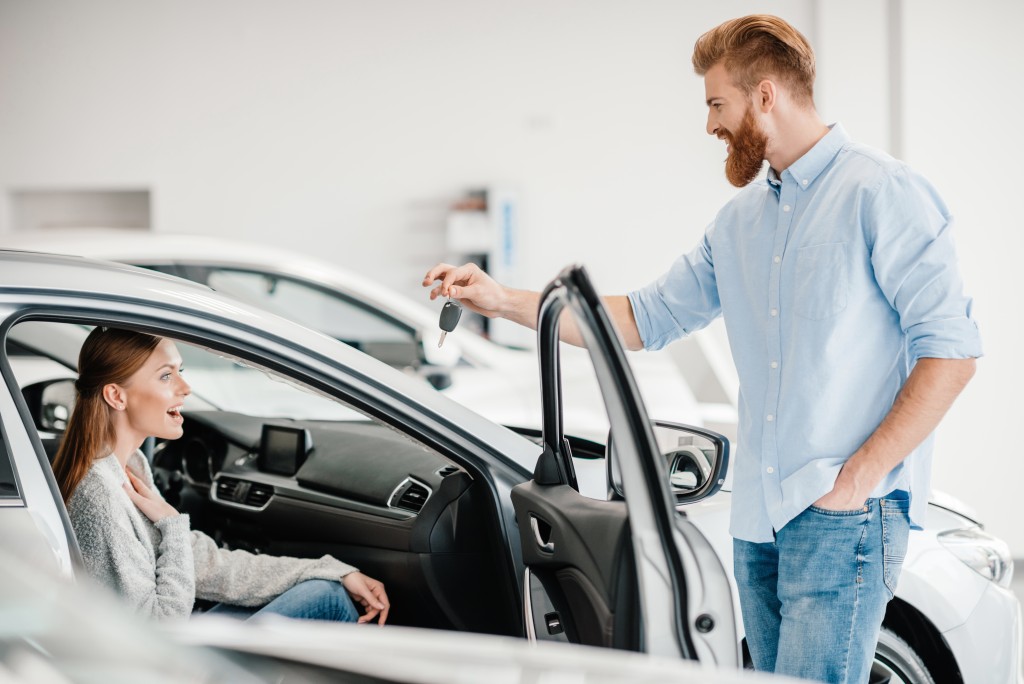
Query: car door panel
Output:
(594,583)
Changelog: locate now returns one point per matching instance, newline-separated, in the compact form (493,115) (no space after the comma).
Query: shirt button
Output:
(777,259)
(775,364)
(785,208)
(775,312)
(770,418)
(769,470)
(803,182)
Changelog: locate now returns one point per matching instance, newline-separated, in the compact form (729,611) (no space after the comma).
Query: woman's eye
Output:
(165,376)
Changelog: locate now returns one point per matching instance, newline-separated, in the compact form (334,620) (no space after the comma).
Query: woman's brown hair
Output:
(109,355)
(757,47)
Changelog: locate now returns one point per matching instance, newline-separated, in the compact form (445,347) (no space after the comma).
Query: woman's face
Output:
(155,394)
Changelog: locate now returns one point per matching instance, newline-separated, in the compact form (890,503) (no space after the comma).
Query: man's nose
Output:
(712,127)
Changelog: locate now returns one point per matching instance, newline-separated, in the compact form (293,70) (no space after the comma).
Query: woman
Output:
(130,387)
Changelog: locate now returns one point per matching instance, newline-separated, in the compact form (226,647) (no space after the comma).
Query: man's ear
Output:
(766,95)
(115,396)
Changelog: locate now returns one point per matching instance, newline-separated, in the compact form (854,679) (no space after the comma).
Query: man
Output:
(838,283)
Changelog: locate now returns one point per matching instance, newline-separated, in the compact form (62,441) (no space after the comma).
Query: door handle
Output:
(542,537)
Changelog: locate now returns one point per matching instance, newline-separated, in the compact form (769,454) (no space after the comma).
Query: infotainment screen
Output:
(283,449)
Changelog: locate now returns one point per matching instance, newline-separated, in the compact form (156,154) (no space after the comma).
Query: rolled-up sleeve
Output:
(682,301)
(915,263)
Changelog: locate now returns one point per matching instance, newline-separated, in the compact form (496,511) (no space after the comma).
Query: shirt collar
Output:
(807,168)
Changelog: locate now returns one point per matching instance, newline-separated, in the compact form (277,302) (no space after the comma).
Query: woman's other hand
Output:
(370,594)
(148,501)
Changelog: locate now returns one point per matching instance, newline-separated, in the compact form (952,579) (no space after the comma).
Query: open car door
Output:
(629,572)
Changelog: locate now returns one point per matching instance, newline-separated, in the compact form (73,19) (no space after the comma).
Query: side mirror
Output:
(438,362)
(439,378)
(696,461)
(447,356)
(400,354)
(50,403)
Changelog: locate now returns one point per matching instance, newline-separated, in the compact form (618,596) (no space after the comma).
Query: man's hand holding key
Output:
(474,289)
(480,293)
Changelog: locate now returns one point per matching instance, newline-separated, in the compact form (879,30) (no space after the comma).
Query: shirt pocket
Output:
(821,280)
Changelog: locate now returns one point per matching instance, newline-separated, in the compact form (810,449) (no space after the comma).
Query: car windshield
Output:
(225,382)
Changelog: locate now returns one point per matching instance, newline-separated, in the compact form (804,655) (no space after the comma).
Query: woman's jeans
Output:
(813,600)
(309,600)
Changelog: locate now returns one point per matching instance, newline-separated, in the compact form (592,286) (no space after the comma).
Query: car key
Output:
(450,314)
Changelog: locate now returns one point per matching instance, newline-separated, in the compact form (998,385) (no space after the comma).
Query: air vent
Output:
(226,488)
(447,470)
(258,495)
(235,492)
(410,496)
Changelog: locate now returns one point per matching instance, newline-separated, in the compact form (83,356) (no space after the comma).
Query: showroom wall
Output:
(345,128)
(964,64)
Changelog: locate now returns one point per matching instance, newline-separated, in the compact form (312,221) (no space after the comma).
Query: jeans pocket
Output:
(895,534)
(839,514)
(821,280)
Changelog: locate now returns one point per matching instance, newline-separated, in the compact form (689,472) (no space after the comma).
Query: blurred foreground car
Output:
(56,632)
(440,503)
(499,382)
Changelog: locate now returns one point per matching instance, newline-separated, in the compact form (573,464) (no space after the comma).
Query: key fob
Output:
(450,314)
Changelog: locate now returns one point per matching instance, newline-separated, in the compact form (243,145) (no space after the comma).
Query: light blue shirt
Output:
(833,277)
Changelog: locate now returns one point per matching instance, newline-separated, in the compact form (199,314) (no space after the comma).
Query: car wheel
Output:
(897,663)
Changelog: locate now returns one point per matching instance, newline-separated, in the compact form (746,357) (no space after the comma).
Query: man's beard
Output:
(747,147)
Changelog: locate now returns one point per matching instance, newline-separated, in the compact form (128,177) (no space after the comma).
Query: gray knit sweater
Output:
(162,568)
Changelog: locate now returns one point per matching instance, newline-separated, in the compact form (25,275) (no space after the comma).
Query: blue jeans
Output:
(309,600)
(813,600)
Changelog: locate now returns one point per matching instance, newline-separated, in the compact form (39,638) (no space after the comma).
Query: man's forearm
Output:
(930,390)
(521,307)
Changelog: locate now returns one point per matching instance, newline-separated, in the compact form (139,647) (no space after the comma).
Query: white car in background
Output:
(496,381)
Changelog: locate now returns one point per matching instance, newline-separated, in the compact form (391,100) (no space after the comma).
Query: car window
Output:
(43,353)
(341,318)
(584,413)
(265,462)
(220,383)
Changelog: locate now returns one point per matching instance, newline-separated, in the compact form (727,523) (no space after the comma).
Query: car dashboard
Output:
(358,490)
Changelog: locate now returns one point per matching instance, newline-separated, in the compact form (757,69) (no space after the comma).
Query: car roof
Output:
(40,270)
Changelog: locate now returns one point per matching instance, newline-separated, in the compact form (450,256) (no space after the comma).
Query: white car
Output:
(426,495)
(496,381)
(441,503)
